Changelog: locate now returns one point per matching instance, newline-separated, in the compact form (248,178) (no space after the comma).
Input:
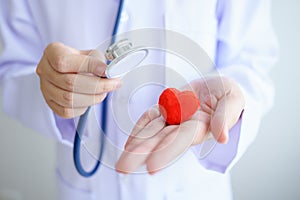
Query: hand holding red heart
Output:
(155,143)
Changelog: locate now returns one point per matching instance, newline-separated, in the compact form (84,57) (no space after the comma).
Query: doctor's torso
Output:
(86,24)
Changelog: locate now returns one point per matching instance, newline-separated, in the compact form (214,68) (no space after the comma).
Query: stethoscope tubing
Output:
(83,118)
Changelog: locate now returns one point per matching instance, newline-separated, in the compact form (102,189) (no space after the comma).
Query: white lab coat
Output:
(237,35)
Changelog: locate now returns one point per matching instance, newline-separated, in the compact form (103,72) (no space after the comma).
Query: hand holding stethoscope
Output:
(65,79)
(72,80)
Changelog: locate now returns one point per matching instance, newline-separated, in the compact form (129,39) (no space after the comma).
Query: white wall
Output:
(27,163)
(269,170)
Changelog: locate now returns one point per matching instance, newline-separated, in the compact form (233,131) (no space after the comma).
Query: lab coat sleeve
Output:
(21,49)
(246,50)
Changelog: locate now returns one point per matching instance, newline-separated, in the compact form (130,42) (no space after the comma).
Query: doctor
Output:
(52,38)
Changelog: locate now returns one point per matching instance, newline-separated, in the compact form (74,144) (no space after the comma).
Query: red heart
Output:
(176,106)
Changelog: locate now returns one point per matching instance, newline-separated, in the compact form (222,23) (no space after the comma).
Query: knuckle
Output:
(147,115)
(101,56)
(49,103)
(98,98)
(41,66)
(106,87)
(138,149)
(70,82)
(53,45)
(98,54)
(44,93)
(90,65)
(68,98)
(80,112)
(153,112)
(38,70)
(60,63)
(102,97)
(66,112)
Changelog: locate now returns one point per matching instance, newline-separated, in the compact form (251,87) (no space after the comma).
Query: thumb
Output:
(227,113)
(94,53)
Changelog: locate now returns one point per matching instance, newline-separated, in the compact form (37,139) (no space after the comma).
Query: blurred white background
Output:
(269,170)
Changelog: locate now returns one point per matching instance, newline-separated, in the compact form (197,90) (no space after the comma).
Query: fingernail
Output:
(224,136)
(121,171)
(153,172)
(99,71)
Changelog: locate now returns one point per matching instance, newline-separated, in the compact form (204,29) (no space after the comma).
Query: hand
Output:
(157,145)
(70,79)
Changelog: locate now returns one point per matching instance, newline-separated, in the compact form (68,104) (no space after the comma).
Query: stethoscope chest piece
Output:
(123,57)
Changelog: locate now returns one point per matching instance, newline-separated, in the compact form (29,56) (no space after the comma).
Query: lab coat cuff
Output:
(220,157)
(67,128)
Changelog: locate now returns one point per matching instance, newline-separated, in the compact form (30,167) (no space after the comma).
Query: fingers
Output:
(149,131)
(226,115)
(151,116)
(147,117)
(158,148)
(85,84)
(70,99)
(204,119)
(65,111)
(157,145)
(136,155)
(175,144)
(94,53)
(222,98)
(65,59)
(68,81)
(80,83)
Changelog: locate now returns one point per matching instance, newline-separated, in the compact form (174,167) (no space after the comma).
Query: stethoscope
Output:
(122,57)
